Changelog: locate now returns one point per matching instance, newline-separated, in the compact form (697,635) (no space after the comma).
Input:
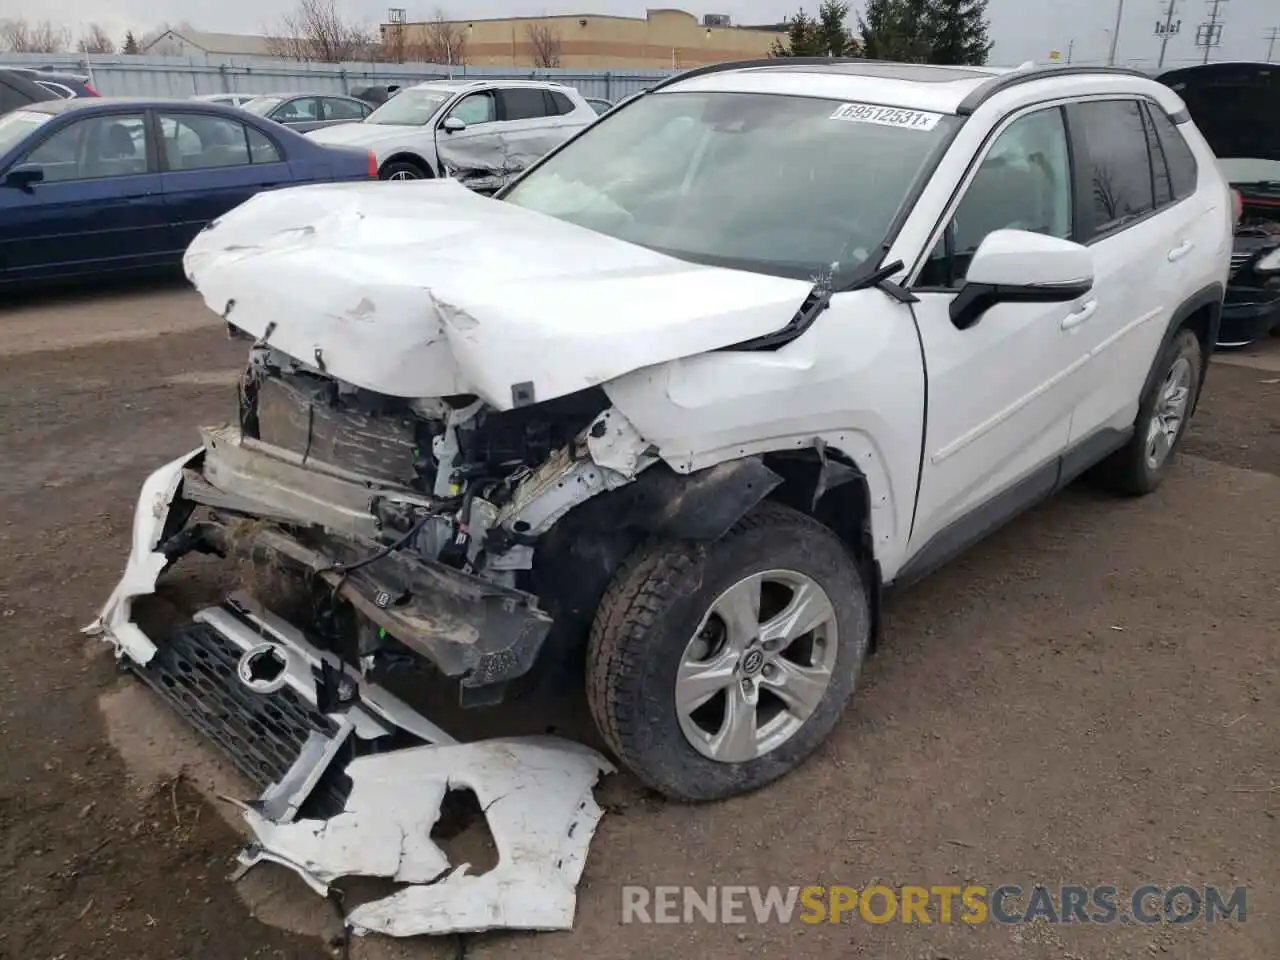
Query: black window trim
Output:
(957,195)
(156,137)
(151,147)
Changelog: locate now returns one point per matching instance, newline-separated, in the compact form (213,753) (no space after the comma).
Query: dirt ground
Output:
(1090,697)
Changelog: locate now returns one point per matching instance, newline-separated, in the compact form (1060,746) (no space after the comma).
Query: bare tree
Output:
(96,41)
(315,30)
(443,41)
(544,43)
(19,36)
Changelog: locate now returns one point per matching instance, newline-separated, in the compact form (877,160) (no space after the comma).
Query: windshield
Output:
(793,186)
(15,126)
(262,105)
(411,108)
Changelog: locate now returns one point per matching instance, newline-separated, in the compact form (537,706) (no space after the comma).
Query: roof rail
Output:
(1024,74)
(755,64)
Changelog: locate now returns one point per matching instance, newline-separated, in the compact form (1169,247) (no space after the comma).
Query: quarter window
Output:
(558,104)
(1119,172)
(1023,183)
(1183,170)
(112,146)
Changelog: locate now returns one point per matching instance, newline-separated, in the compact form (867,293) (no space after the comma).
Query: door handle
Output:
(1177,253)
(1072,320)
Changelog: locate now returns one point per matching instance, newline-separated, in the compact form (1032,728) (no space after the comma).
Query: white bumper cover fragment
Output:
(536,795)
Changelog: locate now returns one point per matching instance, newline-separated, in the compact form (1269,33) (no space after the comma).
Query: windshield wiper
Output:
(819,299)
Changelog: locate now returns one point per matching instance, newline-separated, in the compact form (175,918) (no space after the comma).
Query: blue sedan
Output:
(100,185)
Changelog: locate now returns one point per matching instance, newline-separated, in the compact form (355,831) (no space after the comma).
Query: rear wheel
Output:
(402,170)
(716,668)
(1140,465)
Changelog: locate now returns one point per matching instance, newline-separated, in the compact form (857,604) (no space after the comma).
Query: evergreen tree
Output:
(834,38)
(130,43)
(959,32)
(802,38)
(896,30)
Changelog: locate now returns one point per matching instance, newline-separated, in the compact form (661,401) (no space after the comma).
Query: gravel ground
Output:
(1088,697)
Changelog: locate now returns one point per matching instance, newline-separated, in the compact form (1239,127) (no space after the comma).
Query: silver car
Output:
(309,111)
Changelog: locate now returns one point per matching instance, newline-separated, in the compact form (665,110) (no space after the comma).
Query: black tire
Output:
(653,609)
(403,170)
(1128,471)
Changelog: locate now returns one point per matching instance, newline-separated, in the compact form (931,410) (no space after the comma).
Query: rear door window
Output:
(1119,171)
(338,109)
(198,141)
(522,103)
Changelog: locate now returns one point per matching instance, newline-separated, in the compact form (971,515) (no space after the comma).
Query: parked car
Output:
(99,185)
(309,111)
(701,386)
(479,131)
(230,99)
(1237,107)
(65,85)
(599,105)
(17,91)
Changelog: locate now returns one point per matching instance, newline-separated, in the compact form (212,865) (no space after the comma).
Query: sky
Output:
(1022,29)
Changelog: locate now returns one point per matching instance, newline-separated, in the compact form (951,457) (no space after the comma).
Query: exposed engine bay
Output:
(407,527)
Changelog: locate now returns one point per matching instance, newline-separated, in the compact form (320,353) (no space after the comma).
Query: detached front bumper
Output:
(324,744)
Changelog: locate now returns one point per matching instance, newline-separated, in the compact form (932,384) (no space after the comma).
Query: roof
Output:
(104,103)
(459,85)
(246,45)
(940,89)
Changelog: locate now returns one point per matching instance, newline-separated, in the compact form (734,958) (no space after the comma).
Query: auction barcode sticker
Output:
(886,116)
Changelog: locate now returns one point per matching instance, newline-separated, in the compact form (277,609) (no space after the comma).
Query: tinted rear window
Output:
(523,104)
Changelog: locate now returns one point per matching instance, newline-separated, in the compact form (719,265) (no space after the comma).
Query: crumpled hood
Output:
(425,289)
(359,134)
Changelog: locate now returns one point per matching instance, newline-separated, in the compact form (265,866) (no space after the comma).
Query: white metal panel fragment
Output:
(536,793)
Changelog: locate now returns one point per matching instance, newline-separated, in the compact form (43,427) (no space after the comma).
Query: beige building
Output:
(663,39)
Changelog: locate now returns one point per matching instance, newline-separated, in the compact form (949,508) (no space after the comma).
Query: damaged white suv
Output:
(679,406)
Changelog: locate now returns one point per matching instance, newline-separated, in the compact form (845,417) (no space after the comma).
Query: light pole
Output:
(1115,35)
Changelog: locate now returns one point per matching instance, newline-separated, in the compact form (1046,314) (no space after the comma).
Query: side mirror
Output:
(1016,266)
(453,125)
(23,175)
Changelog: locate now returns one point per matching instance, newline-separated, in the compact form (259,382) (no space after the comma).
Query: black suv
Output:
(1237,108)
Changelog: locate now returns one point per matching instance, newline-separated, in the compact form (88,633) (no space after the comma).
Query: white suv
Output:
(681,404)
(477,130)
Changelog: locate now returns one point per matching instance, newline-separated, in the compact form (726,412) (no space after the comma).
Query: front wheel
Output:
(714,669)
